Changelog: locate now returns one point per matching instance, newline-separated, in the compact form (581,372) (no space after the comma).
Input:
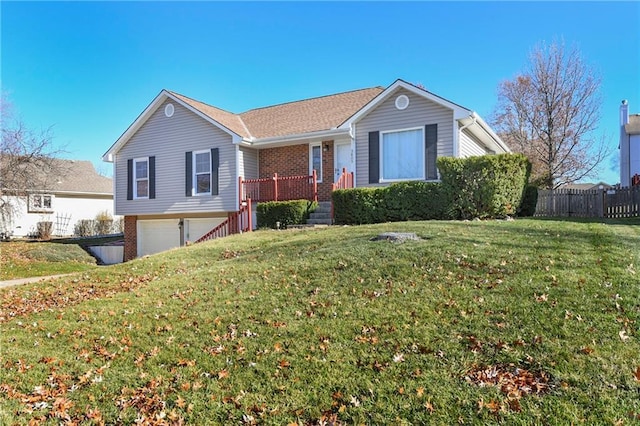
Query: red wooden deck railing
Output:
(635,180)
(279,188)
(345,181)
(236,222)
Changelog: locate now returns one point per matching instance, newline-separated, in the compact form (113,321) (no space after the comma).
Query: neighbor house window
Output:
(141,177)
(402,155)
(202,172)
(315,161)
(40,203)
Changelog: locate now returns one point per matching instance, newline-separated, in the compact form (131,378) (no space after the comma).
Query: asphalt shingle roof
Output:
(305,116)
(58,175)
(633,127)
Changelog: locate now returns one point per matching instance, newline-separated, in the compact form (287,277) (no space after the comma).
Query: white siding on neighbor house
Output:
(470,146)
(386,116)
(248,163)
(168,139)
(67,210)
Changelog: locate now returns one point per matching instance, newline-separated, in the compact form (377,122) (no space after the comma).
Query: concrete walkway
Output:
(20,281)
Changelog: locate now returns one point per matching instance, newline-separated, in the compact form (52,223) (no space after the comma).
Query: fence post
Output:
(275,186)
(249,215)
(315,186)
(601,202)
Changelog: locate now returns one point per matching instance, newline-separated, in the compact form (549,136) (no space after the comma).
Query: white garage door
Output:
(159,235)
(196,228)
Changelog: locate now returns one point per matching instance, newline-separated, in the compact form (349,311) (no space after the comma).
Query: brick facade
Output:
(294,161)
(130,238)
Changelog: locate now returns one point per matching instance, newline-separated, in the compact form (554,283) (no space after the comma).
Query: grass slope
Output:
(22,259)
(306,327)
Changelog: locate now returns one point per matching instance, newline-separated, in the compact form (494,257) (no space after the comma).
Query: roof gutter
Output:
(477,119)
(278,140)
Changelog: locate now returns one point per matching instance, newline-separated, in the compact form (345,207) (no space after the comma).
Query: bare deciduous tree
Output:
(550,113)
(27,159)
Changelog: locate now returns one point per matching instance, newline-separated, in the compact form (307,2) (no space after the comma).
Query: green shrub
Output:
(484,186)
(400,201)
(529,201)
(357,206)
(294,212)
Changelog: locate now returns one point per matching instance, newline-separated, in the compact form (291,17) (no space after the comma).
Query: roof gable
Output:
(458,111)
(205,111)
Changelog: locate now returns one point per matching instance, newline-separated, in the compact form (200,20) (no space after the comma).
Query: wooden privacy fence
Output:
(609,203)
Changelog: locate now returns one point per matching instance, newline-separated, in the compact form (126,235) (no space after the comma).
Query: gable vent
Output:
(168,110)
(402,102)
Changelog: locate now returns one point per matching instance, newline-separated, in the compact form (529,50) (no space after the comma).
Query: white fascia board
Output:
(149,110)
(489,131)
(458,111)
(301,138)
(479,128)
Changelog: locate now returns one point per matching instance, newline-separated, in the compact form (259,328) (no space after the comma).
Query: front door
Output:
(342,159)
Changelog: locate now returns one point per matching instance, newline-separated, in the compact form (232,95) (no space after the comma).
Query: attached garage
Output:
(157,235)
(196,228)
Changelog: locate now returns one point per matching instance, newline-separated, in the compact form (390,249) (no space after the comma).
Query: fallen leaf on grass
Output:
(586,350)
(623,335)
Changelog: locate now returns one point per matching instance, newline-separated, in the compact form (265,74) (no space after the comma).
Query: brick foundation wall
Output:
(130,238)
(294,161)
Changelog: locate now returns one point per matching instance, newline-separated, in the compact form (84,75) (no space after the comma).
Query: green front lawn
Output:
(23,259)
(521,322)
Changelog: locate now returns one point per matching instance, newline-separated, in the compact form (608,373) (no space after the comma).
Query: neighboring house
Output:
(178,167)
(586,186)
(72,192)
(629,146)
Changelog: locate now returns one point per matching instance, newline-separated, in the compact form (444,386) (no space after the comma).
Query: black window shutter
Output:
(129,179)
(374,157)
(431,150)
(188,179)
(152,177)
(215,164)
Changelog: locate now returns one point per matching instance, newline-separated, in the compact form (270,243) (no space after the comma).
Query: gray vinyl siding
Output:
(248,163)
(168,138)
(386,117)
(470,146)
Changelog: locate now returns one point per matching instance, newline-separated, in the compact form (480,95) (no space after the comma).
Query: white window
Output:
(202,173)
(402,155)
(141,178)
(40,203)
(315,161)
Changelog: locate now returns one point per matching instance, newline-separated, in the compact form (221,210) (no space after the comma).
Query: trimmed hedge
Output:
(485,186)
(294,212)
(397,202)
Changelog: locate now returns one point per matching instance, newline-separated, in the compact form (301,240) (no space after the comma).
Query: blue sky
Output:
(89,68)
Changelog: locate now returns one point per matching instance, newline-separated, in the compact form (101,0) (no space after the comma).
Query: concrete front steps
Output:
(322,215)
